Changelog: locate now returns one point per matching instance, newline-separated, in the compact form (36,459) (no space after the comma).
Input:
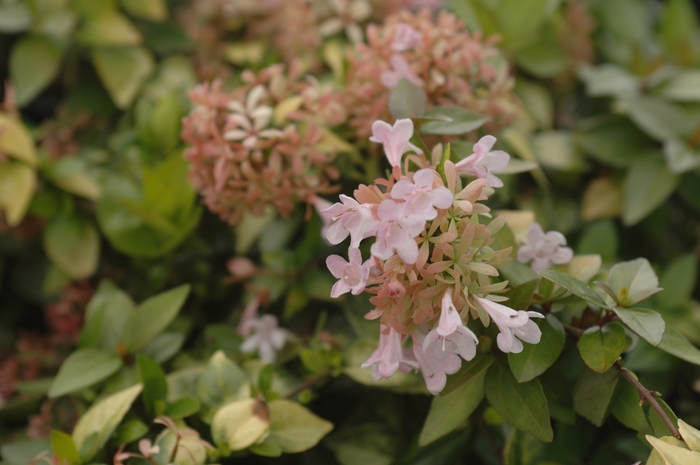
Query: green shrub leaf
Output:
(34,63)
(536,358)
(600,347)
(83,368)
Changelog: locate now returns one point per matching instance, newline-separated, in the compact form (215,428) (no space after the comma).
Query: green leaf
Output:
(510,14)
(544,58)
(407,100)
(22,452)
(17,186)
(678,281)
(581,267)
(182,408)
(155,388)
(294,428)
(73,244)
(600,347)
(658,426)
(152,316)
(574,286)
(108,28)
(222,382)
(130,431)
(105,318)
(159,123)
(613,139)
(240,424)
(684,87)
(599,237)
(627,409)
(676,344)
(645,322)
(520,297)
(102,419)
(521,404)
(34,63)
(680,157)
(164,346)
(593,393)
(673,455)
(153,10)
(83,368)
(16,141)
(658,118)
(123,70)
(678,26)
(450,411)
(647,185)
(554,149)
(468,371)
(633,281)
(14,17)
(536,358)
(62,445)
(608,80)
(453,121)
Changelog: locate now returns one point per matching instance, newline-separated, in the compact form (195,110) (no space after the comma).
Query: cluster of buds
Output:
(264,143)
(431,263)
(453,66)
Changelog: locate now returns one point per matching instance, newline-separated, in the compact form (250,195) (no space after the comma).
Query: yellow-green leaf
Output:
(16,141)
(17,185)
(73,244)
(123,70)
(294,428)
(109,27)
(673,455)
(154,10)
(240,424)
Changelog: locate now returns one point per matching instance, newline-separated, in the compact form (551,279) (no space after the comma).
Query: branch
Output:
(647,395)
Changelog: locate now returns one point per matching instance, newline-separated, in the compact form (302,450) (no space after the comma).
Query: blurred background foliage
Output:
(97,208)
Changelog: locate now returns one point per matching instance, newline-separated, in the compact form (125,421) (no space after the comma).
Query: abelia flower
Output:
(350,218)
(400,69)
(397,231)
(483,162)
(247,123)
(395,139)
(352,276)
(514,325)
(435,362)
(420,194)
(390,356)
(451,329)
(544,249)
(405,38)
(265,337)
(346,15)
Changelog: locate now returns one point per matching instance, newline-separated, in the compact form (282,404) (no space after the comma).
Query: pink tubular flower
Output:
(350,218)
(266,338)
(405,38)
(390,356)
(451,329)
(435,362)
(514,325)
(400,70)
(420,194)
(396,232)
(482,163)
(321,205)
(352,276)
(395,139)
(544,249)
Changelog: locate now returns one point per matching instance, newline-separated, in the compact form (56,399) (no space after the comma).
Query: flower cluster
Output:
(264,143)
(431,262)
(453,66)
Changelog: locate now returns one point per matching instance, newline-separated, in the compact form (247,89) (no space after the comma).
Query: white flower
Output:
(420,194)
(514,325)
(395,139)
(352,276)
(350,218)
(250,120)
(435,362)
(483,163)
(265,337)
(544,249)
(451,329)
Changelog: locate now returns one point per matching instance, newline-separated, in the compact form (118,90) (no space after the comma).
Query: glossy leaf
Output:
(521,404)
(453,121)
(222,382)
(600,347)
(673,455)
(123,70)
(83,368)
(182,408)
(101,420)
(294,428)
(106,316)
(690,435)
(17,186)
(155,388)
(645,322)
(34,63)
(450,411)
(626,408)
(62,445)
(633,281)
(574,286)
(468,371)
(152,316)
(676,344)
(593,393)
(536,358)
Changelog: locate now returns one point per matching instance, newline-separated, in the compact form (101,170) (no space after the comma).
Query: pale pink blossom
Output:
(435,362)
(544,249)
(420,194)
(405,38)
(322,205)
(396,232)
(352,276)
(390,356)
(250,314)
(147,448)
(350,218)
(400,70)
(265,337)
(514,325)
(483,162)
(395,139)
(249,122)
(451,329)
